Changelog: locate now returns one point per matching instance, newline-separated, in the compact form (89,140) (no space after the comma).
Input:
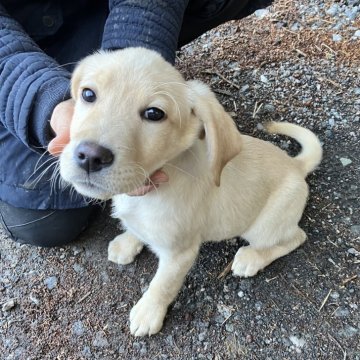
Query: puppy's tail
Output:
(311,153)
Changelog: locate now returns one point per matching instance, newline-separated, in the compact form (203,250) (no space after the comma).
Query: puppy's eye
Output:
(153,114)
(88,95)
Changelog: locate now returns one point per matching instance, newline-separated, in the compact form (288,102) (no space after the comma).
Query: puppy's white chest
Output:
(154,222)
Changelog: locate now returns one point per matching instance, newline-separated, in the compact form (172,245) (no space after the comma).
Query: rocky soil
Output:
(296,61)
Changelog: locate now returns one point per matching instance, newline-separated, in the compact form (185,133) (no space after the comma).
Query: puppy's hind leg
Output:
(275,232)
(250,260)
(123,249)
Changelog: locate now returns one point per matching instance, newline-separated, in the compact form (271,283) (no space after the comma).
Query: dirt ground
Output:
(71,303)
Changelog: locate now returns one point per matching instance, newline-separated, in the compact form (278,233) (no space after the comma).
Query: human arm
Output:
(154,24)
(31,85)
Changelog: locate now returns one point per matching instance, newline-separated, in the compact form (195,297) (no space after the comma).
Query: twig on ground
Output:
(329,48)
(226,270)
(211,72)
(300,52)
(84,297)
(223,92)
(329,81)
(340,347)
(257,108)
(325,300)
(303,294)
(227,319)
(349,279)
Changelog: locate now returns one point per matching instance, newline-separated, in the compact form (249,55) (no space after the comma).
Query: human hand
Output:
(60,122)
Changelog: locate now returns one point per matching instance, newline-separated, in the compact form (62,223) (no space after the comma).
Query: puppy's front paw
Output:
(123,249)
(247,262)
(147,316)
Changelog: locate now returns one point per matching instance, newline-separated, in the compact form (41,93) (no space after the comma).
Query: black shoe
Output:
(46,228)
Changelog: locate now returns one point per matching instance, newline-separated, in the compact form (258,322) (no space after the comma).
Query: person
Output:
(40,43)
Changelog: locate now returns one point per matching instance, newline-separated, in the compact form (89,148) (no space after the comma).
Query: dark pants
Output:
(58,227)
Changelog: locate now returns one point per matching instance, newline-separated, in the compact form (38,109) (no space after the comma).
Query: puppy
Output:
(134,115)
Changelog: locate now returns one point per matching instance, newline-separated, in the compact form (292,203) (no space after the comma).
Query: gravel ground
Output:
(284,63)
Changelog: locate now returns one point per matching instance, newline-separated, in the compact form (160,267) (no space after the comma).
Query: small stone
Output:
(249,338)
(264,79)
(345,161)
(298,342)
(352,13)
(353,251)
(8,305)
(202,336)
(337,37)
(356,34)
(76,250)
(328,133)
(78,328)
(333,10)
(86,352)
(341,312)
(143,349)
(295,27)
(169,340)
(34,299)
(51,282)
(229,327)
(224,310)
(269,108)
(348,331)
(100,340)
(245,88)
(240,294)
(261,13)
(334,295)
(78,268)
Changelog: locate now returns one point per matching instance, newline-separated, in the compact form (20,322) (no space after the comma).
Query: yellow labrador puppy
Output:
(135,115)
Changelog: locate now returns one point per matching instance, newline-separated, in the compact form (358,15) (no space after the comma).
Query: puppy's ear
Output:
(222,137)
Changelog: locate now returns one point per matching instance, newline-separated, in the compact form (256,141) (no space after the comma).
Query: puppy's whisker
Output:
(182,170)
(39,160)
(34,182)
(194,156)
(63,65)
(43,172)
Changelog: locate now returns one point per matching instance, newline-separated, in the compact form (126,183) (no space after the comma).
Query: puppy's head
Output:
(133,113)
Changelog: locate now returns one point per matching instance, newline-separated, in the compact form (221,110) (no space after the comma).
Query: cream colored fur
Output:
(220,186)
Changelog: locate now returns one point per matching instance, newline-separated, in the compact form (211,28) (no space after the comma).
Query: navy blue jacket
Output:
(32,83)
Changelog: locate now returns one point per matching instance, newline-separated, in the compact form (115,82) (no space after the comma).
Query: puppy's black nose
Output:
(93,157)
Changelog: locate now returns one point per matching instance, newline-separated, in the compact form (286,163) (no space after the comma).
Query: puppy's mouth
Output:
(98,191)
(153,182)
(91,189)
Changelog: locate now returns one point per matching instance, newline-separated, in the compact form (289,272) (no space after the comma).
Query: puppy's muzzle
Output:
(93,157)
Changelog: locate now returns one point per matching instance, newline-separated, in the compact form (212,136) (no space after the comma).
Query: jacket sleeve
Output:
(154,24)
(31,85)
